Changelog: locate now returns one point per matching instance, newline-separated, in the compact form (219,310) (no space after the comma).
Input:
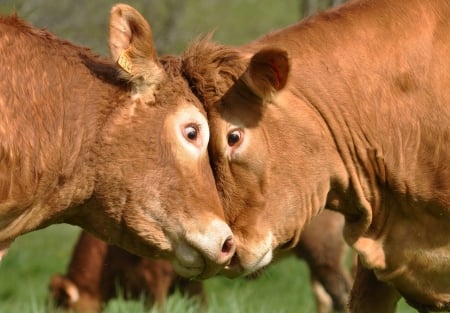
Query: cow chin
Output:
(188,262)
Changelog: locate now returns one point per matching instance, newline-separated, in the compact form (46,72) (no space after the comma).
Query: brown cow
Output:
(348,110)
(97,271)
(118,149)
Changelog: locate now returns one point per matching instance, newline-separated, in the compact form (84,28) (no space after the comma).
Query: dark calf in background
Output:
(99,272)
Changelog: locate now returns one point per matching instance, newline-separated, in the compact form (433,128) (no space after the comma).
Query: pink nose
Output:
(209,250)
(217,262)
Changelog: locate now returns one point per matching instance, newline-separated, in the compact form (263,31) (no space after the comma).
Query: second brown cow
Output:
(348,110)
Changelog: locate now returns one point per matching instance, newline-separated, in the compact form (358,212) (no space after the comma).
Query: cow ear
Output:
(64,290)
(268,72)
(131,45)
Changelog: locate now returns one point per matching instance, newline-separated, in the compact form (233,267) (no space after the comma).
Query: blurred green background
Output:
(174,22)
(33,258)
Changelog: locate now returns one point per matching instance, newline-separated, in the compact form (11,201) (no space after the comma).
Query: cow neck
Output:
(371,103)
(317,80)
(65,166)
(103,95)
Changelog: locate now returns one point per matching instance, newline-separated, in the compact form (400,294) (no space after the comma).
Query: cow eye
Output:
(191,133)
(234,137)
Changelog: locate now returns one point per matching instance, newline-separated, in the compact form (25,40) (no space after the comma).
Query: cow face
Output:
(267,193)
(153,172)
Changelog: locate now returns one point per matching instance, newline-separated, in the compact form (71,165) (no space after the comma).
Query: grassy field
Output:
(33,258)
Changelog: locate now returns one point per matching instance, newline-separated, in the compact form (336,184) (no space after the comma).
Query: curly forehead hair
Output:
(211,68)
(176,84)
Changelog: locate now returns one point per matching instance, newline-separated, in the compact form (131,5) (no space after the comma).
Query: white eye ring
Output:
(189,129)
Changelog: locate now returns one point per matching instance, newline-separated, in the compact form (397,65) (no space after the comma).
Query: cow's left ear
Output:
(268,72)
(131,45)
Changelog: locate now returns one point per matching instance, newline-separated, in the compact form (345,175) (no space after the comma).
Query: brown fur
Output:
(80,145)
(361,127)
(97,272)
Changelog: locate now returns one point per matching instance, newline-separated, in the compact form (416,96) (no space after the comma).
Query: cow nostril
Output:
(228,246)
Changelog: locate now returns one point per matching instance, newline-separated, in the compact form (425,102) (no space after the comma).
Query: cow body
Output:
(116,148)
(348,110)
(99,272)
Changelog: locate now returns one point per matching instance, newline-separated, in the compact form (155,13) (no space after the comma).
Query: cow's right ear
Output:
(268,72)
(132,47)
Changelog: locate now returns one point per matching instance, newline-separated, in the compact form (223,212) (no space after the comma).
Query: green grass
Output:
(33,258)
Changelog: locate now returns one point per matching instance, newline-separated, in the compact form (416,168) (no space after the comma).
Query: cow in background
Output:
(97,271)
(117,147)
(347,110)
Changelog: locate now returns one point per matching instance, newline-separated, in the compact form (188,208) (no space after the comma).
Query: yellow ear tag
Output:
(124,62)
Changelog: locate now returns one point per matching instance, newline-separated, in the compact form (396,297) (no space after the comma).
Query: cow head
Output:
(255,151)
(65,294)
(153,175)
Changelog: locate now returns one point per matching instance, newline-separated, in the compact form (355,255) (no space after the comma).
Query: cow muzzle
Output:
(203,254)
(247,261)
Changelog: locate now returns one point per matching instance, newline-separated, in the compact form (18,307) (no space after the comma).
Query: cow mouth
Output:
(187,271)
(194,272)
(192,264)
(236,268)
(188,262)
(256,274)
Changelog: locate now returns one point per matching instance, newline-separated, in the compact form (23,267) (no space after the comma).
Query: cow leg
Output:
(369,295)
(323,249)
(158,277)
(160,295)
(330,283)
(324,303)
